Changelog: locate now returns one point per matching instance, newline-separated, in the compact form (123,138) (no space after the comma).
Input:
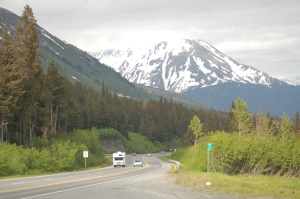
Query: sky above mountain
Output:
(264,34)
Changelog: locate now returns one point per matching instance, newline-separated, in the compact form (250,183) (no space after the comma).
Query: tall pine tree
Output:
(56,96)
(10,82)
(26,43)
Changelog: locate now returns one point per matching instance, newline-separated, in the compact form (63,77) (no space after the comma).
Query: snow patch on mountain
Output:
(292,80)
(179,65)
(47,36)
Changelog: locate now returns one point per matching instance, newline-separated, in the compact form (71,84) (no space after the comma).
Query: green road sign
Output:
(209,146)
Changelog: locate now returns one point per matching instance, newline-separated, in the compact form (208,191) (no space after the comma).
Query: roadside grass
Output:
(239,185)
(38,173)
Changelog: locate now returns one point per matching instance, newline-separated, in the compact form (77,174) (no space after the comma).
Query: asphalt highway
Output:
(147,182)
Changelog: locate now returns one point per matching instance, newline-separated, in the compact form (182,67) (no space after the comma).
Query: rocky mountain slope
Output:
(200,71)
(75,63)
(179,65)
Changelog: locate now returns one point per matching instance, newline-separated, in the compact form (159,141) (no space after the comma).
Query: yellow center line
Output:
(70,181)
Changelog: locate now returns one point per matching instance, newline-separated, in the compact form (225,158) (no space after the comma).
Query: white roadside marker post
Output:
(85,155)
(209,148)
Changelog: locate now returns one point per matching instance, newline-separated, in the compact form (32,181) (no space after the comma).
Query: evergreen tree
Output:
(209,124)
(26,44)
(73,113)
(54,83)
(10,82)
(230,119)
(104,109)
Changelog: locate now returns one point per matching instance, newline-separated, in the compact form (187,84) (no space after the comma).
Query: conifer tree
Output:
(230,119)
(10,81)
(209,123)
(104,107)
(26,43)
(56,97)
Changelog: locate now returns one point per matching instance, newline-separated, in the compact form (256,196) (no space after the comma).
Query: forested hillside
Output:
(74,63)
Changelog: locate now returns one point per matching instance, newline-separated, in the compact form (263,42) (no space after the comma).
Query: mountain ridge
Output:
(292,80)
(198,57)
(74,63)
(192,66)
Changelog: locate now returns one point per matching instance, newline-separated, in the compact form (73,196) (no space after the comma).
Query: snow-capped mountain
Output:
(199,71)
(292,80)
(179,65)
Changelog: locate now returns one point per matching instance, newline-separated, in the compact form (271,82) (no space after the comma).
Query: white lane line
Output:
(18,183)
(57,174)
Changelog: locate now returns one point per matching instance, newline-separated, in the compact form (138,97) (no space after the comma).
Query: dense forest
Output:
(38,105)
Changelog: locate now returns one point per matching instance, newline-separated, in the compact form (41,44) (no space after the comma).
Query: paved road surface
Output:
(148,182)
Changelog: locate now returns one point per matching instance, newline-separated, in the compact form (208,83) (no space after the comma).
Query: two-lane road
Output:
(52,186)
(149,181)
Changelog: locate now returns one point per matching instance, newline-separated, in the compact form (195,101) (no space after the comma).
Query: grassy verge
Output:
(240,185)
(108,163)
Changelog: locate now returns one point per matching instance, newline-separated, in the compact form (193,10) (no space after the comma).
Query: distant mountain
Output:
(201,72)
(292,80)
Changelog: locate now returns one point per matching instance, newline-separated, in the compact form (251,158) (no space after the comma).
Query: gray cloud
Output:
(262,33)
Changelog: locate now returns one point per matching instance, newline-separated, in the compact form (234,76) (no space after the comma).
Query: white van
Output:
(119,159)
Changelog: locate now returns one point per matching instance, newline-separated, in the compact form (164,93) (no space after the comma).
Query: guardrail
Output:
(176,162)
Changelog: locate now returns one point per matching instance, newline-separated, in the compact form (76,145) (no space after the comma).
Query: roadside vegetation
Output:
(242,166)
(255,158)
(66,152)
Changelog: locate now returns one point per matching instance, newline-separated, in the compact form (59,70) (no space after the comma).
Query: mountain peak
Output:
(180,64)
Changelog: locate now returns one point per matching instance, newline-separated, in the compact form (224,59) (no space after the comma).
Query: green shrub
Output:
(234,154)
(91,139)
(63,153)
(140,144)
(11,160)
(109,133)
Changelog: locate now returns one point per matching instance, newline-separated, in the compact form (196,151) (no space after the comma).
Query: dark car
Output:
(162,152)
(133,154)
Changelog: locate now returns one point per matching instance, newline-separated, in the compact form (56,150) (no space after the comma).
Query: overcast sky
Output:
(264,34)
